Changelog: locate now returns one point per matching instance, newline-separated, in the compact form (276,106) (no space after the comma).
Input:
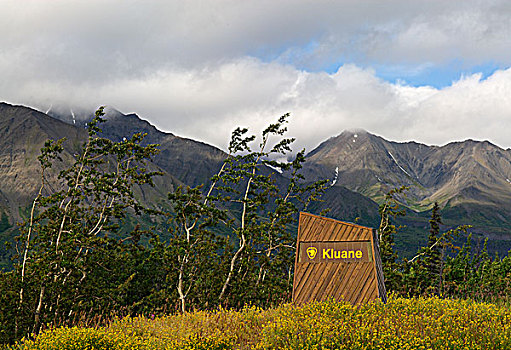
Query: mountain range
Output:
(452,175)
(471,180)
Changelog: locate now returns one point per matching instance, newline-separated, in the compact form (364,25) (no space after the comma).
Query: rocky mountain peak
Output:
(371,165)
(470,179)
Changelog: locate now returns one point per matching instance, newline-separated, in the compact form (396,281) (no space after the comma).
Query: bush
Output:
(75,338)
(415,323)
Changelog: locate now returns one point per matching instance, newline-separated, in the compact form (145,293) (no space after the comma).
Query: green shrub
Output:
(75,338)
(401,323)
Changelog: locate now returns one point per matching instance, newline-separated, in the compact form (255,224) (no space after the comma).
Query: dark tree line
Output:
(441,268)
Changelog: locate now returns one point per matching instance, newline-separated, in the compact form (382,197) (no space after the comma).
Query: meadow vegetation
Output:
(80,282)
(74,261)
(401,323)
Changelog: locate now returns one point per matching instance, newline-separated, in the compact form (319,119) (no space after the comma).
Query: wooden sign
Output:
(336,259)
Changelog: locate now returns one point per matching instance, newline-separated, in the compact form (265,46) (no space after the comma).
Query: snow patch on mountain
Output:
(336,176)
(274,168)
(400,167)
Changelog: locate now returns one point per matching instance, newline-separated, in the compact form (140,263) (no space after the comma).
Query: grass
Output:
(416,323)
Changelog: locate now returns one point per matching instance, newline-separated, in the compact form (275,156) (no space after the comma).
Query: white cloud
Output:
(200,68)
(98,40)
(207,104)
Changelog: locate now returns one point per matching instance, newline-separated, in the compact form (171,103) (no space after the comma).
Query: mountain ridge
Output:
(467,177)
(186,161)
(434,173)
(470,179)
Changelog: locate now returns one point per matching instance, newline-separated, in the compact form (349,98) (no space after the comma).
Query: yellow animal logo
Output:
(311,252)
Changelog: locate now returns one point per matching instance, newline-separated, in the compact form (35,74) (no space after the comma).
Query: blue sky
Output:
(426,70)
(435,75)
(438,76)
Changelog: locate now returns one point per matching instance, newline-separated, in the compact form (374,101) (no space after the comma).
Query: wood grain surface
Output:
(321,273)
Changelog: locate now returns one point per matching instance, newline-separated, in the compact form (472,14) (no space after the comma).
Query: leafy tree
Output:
(260,268)
(476,275)
(193,246)
(244,200)
(68,241)
(74,264)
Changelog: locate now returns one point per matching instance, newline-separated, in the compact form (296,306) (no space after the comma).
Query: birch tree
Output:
(264,212)
(70,223)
